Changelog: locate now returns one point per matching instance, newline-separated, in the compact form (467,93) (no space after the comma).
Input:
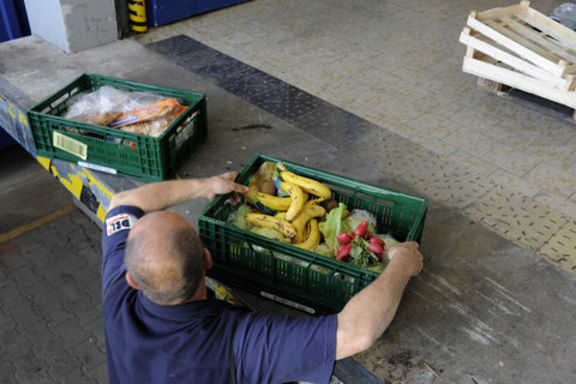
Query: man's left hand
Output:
(223,184)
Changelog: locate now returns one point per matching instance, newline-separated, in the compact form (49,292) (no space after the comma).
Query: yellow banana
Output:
(250,195)
(280,215)
(311,186)
(313,238)
(311,209)
(267,221)
(274,202)
(297,199)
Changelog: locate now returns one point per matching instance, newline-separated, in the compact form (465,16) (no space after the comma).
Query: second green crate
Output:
(128,154)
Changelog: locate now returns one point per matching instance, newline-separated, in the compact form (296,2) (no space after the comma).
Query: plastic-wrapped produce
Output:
(566,14)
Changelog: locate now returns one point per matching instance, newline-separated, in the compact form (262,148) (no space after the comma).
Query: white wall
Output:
(45,18)
(73,25)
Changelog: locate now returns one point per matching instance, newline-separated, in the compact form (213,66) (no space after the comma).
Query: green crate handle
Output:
(47,102)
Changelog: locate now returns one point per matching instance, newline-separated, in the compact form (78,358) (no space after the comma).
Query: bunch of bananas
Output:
(297,215)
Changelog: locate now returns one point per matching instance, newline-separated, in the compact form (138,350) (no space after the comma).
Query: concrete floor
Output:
(398,65)
(495,302)
(51,329)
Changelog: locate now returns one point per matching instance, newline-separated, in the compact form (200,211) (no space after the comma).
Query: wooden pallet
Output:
(482,44)
(528,100)
(531,34)
(504,75)
(521,48)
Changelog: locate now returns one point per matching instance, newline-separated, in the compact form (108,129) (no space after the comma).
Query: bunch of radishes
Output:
(360,237)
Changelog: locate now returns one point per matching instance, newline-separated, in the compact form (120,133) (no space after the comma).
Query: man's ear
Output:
(207,259)
(131,281)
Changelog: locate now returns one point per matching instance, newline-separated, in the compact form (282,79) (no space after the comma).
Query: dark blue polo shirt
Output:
(200,342)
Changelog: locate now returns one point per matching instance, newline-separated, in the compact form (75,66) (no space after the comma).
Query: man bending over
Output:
(161,326)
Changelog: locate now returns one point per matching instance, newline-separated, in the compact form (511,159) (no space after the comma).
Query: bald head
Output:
(165,256)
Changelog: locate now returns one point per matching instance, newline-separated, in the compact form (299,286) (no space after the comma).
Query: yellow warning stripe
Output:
(36,223)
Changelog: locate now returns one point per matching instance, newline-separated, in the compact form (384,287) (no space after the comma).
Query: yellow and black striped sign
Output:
(137,15)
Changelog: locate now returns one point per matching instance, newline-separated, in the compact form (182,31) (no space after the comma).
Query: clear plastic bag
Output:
(136,112)
(102,106)
(566,15)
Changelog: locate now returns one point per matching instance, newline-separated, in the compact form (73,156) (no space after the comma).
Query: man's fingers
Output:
(413,244)
(407,244)
(240,188)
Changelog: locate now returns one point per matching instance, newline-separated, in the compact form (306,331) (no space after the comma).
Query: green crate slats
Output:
(245,260)
(149,158)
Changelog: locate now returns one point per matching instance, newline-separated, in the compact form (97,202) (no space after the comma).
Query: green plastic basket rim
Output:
(34,110)
(337,180)
(342,181)
(308,256)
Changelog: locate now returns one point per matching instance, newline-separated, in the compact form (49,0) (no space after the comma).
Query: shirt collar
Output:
(186,311)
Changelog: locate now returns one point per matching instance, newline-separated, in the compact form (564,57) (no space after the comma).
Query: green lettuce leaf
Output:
(334,225)
(238,217)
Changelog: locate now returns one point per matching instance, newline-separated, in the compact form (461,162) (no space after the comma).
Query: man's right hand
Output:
(371,310)
(407,257)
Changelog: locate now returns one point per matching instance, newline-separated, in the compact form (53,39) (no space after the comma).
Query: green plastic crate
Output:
(315,283)
(128,154)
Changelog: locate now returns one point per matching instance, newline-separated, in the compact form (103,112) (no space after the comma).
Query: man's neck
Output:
(200,294)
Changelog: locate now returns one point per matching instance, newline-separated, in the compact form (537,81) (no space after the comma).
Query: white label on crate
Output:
(187,131)
(288,302)
(69,145)
(97,167)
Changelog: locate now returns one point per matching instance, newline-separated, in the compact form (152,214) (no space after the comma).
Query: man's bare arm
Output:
(371,310)
(157,196)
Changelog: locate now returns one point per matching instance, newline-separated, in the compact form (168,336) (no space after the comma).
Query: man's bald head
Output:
(165,256)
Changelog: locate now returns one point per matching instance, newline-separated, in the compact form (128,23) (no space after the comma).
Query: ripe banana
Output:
(297,199)
(313,238)
(311,209)
(274,202)
(267,221)
(250,196)
(311,186)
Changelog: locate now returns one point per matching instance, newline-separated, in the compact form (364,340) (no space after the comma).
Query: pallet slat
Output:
(518,80)
(513,61)
(495,13)
(547,39)
(522,48)
(558,31)
(499,35)
(541,39)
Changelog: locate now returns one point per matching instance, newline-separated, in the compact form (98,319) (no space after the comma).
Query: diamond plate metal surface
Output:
(561,248)
(464,153)
(517,217)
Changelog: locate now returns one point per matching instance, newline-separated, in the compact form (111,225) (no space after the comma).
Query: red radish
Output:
(375,248)
(343,238)
(344,251)
(362,229)
(377,240)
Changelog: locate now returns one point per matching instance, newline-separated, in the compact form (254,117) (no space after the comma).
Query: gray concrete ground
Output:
(488,308)
(51,328)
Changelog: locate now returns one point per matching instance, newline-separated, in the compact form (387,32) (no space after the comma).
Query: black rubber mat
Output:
(275,96)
